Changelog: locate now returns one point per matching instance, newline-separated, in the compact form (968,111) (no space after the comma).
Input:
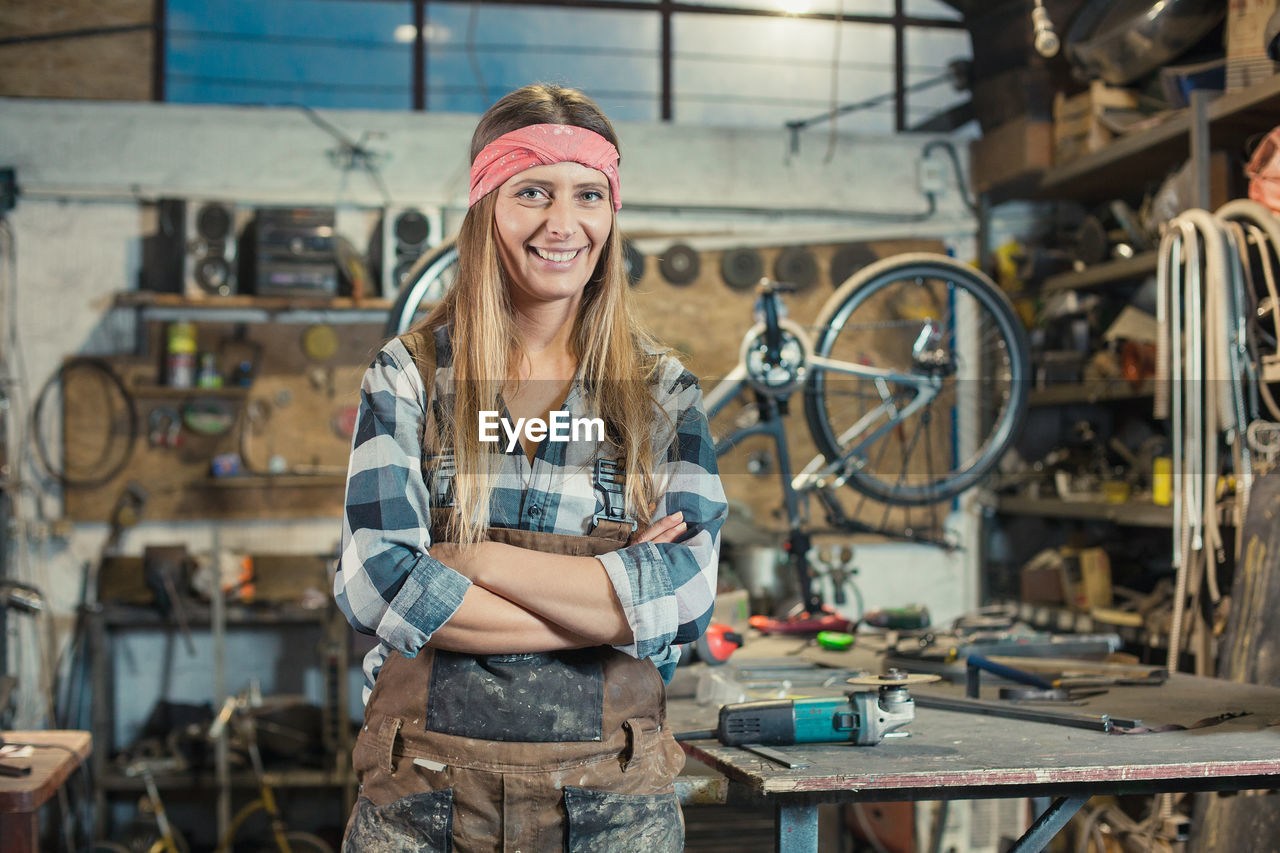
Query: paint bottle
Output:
(1162,481)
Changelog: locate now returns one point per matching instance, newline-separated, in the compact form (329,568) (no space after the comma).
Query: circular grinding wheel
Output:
(741,269)
(796,266)
(680,265)
(906,680)
(848,260)
(632,262)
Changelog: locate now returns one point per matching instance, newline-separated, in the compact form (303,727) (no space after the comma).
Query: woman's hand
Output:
(666,529)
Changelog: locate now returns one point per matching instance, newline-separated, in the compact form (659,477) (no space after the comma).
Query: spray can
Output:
(181,363)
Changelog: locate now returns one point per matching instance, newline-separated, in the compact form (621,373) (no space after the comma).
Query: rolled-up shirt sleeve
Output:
(387,583)
(667,590)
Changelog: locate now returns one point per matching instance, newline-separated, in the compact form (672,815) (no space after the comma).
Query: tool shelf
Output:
(1099,275)
(315,637)
(146,299)
(1068,393)
(1146,156)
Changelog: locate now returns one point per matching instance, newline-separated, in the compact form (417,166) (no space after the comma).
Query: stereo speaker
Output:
(408,233)
(212,236)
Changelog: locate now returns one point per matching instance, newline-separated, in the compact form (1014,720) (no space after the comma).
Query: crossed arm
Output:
(522,600)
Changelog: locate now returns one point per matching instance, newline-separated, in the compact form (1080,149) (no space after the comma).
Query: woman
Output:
(528,592)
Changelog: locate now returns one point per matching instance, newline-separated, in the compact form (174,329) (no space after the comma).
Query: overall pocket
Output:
(602,822)
(418,823)
(531,698)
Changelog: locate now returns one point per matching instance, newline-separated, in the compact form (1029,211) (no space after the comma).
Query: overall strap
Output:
(421,344)
(438,468)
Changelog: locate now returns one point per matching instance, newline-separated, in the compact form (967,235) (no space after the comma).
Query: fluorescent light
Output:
(405,33)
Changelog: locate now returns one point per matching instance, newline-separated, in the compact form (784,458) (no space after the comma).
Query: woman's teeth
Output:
(556,257)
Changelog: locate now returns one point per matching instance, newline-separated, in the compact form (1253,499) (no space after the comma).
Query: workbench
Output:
(956,755)
(56,757)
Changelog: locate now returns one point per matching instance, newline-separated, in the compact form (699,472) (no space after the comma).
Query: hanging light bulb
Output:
(1046,40)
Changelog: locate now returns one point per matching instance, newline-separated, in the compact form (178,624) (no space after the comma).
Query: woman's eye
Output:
(592,195)
(530,193)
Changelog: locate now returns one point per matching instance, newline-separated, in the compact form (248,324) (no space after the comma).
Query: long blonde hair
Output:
(617,357)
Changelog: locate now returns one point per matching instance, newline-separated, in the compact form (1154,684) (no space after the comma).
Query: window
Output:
(321,54)
(731,63)
(763,72)
(476,53)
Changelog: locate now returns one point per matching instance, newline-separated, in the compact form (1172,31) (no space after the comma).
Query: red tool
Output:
(829,619)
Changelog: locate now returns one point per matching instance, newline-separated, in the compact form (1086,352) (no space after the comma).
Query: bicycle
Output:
(913,352)
(164,837)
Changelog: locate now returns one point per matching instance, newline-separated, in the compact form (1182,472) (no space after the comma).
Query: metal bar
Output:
(775,755)
(420,55)
(1046,827)
(1094,722)
(159,48)
(699,9)
(1200,148)
(87,32)
(665,74)
(796,828)
(899,67)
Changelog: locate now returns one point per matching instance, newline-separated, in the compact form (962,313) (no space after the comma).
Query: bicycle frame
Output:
(769,402)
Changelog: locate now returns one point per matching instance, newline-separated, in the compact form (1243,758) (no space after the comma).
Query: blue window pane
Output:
(929,50)
(476,54)
(932,9)
(339,53)
(767,71)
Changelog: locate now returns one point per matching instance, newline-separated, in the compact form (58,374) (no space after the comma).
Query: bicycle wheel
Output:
(952,390)
(425,284)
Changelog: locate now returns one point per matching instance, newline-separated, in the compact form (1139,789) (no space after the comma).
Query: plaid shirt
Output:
(388,584)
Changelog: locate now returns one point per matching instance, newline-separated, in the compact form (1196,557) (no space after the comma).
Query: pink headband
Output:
(543,145)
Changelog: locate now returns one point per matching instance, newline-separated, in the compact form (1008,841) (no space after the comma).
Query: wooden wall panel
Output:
(108,66)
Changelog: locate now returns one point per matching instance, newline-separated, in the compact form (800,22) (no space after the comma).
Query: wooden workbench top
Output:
(59,754)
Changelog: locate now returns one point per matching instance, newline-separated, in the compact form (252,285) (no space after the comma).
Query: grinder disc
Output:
(797,266)
(632,262)
(741,269)
(680,264)
(905,680)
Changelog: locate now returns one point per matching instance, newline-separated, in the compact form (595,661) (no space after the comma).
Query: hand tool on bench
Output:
(861,717)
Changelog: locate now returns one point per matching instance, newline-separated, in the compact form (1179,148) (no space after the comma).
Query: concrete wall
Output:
(84,166)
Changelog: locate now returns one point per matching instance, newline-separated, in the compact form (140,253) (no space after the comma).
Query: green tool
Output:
(836,641)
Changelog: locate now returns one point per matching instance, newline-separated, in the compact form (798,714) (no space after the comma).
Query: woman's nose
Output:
(561,219)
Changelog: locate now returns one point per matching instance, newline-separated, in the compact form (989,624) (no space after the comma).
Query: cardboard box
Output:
(1247,62)
(1013,150)
(1079,121)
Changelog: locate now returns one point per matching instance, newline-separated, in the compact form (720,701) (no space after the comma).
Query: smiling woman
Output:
(530,594)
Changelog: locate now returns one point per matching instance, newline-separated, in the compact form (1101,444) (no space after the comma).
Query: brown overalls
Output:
(526,752)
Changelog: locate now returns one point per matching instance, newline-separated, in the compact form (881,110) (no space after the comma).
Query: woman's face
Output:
(552,223)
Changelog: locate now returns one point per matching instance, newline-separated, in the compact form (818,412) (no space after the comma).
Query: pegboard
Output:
(291,411)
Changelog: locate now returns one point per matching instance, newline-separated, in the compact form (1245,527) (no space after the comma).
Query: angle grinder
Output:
(862,717)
